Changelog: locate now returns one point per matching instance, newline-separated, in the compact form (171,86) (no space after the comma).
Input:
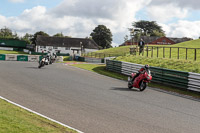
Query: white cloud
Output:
(166,12)
(77,18)
(193,4)
(185,29)
(16,1)
(114,14)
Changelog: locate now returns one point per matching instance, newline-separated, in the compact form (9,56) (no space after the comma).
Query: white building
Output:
(65,45)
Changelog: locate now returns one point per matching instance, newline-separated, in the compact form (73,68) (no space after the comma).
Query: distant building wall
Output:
(163,41)
(64,50)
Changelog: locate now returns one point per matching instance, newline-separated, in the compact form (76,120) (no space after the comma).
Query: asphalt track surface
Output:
(93,103)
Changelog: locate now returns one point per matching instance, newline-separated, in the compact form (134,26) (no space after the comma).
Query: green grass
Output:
(11,52)
(174,63)
(109,52)
(181,65)
(101,69)
(17,120)
(174,52)
(164,52)
(188,44)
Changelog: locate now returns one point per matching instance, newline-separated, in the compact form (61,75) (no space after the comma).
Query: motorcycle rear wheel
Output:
(143,86)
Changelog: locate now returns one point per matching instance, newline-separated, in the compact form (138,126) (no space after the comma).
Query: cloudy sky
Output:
(77,18)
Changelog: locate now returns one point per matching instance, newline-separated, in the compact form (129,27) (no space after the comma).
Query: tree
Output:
(149,28)
(7,33)
(38,33)
(27,37)
(102,36)
(126,38)
(135,34)
(58,35)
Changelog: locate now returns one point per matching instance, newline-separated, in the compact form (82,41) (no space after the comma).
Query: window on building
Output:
(67,48)
(42,46)
(55,47)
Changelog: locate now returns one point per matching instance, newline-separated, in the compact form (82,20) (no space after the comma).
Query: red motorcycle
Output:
(140,81)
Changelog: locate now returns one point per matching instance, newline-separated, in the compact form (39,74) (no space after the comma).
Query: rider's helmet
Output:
(146,66)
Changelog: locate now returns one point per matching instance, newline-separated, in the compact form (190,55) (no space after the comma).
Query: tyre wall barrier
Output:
(14,57)
(22,58)
(2,57)
(33,58)
(11,57)
(94,60)
(180,79)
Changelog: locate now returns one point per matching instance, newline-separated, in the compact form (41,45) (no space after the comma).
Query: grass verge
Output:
(174,64)
(101,69)
(11,52)
(14,119)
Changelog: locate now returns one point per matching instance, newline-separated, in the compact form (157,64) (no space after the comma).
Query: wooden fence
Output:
(171,52)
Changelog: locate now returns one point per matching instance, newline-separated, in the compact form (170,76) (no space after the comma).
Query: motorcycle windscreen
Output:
(129,78)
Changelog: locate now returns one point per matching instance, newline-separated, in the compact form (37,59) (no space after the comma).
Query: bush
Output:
(67,58)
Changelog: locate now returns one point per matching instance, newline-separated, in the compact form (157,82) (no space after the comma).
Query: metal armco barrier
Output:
(2,57)
(128,68)
(11,57)
(184,80)
(170,77)
(115,66)
(194,81)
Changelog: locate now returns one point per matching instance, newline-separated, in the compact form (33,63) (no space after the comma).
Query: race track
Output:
(94,103)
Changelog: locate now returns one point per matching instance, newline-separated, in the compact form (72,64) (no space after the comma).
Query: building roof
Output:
(146,39)
(149,39)
(179,40)
(65,42)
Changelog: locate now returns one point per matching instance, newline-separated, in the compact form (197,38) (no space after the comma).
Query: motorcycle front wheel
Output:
(130,85)
(143,86)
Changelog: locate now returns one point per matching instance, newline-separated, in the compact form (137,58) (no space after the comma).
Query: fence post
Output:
(195,54)
(157,51)
(143,52)
(152,52)
(163,52)
(147,50)
(186,53)
(178,53)
(170,53)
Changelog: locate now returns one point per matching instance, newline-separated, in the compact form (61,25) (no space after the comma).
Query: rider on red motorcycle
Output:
(142,70)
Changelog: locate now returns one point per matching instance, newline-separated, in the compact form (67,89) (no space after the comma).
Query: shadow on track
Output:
(33,67)
(123,89)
